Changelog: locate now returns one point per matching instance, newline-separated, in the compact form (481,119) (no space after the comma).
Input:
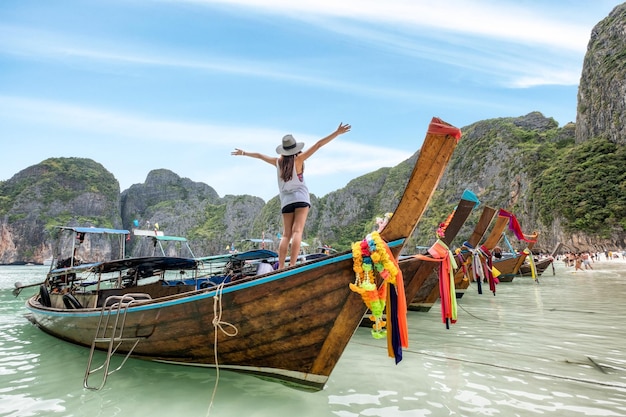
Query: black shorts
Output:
(290,208)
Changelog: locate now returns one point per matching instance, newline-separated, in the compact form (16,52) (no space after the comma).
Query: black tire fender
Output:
(44,296)
(71,302)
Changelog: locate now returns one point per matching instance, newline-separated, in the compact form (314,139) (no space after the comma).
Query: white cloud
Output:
(493,19)
(200,151)
(123,125)
(478,36)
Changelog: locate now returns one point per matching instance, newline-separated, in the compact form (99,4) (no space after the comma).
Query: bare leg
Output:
(284,240)
(296,233)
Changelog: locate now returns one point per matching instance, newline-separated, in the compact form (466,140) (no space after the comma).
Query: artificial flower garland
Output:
(371,257)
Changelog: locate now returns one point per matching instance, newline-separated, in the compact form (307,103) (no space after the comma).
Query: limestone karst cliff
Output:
(601,108)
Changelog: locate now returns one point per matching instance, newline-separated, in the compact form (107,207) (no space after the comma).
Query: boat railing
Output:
(110,333)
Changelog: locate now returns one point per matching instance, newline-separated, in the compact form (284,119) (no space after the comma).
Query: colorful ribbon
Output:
(490,272)
(531,263)
(439,252)
(514,225)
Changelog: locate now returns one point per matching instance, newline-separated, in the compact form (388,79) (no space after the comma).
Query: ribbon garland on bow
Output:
(490,271)
(371,258)
(531,263)
(439,252)
(477,266)
(514,226)
(482,267)
(441,231)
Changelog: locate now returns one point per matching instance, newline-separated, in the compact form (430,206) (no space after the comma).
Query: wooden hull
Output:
(428,295)
(510,267)
(278,331)
(542,264)
(291,325)
(418,274)
(460,281)
(540,267)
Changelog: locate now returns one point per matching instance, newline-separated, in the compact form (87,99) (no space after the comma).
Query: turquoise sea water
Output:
(553,348)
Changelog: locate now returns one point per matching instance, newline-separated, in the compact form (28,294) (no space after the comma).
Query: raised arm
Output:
(269,159)
(340,131)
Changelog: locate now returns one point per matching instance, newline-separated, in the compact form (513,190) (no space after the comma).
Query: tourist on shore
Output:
(586,260)
(578,262)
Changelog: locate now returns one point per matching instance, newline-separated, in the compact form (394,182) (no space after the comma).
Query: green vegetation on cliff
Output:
(57,181)
(586,185)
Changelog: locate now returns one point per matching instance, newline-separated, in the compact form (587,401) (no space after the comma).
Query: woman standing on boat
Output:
(294,194)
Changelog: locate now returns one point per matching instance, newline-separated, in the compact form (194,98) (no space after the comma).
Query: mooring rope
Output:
(512,368)
(476,317)
(218,324)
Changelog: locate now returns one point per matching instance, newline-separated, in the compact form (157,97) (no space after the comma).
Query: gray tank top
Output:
(294,190)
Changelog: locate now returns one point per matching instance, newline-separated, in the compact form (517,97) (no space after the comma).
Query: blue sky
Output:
(141,85)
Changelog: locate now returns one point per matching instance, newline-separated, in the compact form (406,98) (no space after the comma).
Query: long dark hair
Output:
(286,163)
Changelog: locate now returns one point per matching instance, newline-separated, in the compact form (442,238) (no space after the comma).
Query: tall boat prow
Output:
(291,325)
(542,264)
(509,266)
(418,273)
(429,293)
(465,274)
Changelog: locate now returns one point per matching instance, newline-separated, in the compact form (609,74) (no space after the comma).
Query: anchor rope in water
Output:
(511,368)
(218,324)
(475,316)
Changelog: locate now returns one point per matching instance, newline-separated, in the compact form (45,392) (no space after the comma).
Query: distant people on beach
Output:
(588,258)
(578,262)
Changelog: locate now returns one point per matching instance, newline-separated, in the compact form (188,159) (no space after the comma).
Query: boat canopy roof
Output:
(100,230)
(161,263)
(75,268)
(170,238)
(241,256)
(258,240)
(143,232)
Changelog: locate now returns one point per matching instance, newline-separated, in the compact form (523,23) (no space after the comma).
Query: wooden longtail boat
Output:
(462,280)
(418,274)
(291,325)
(540,267)
(510,266)
(165,244)
(428,294)
(542,264)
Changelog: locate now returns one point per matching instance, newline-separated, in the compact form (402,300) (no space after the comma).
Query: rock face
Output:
(601,106)
(164,200)
(58,191)
(181,207)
